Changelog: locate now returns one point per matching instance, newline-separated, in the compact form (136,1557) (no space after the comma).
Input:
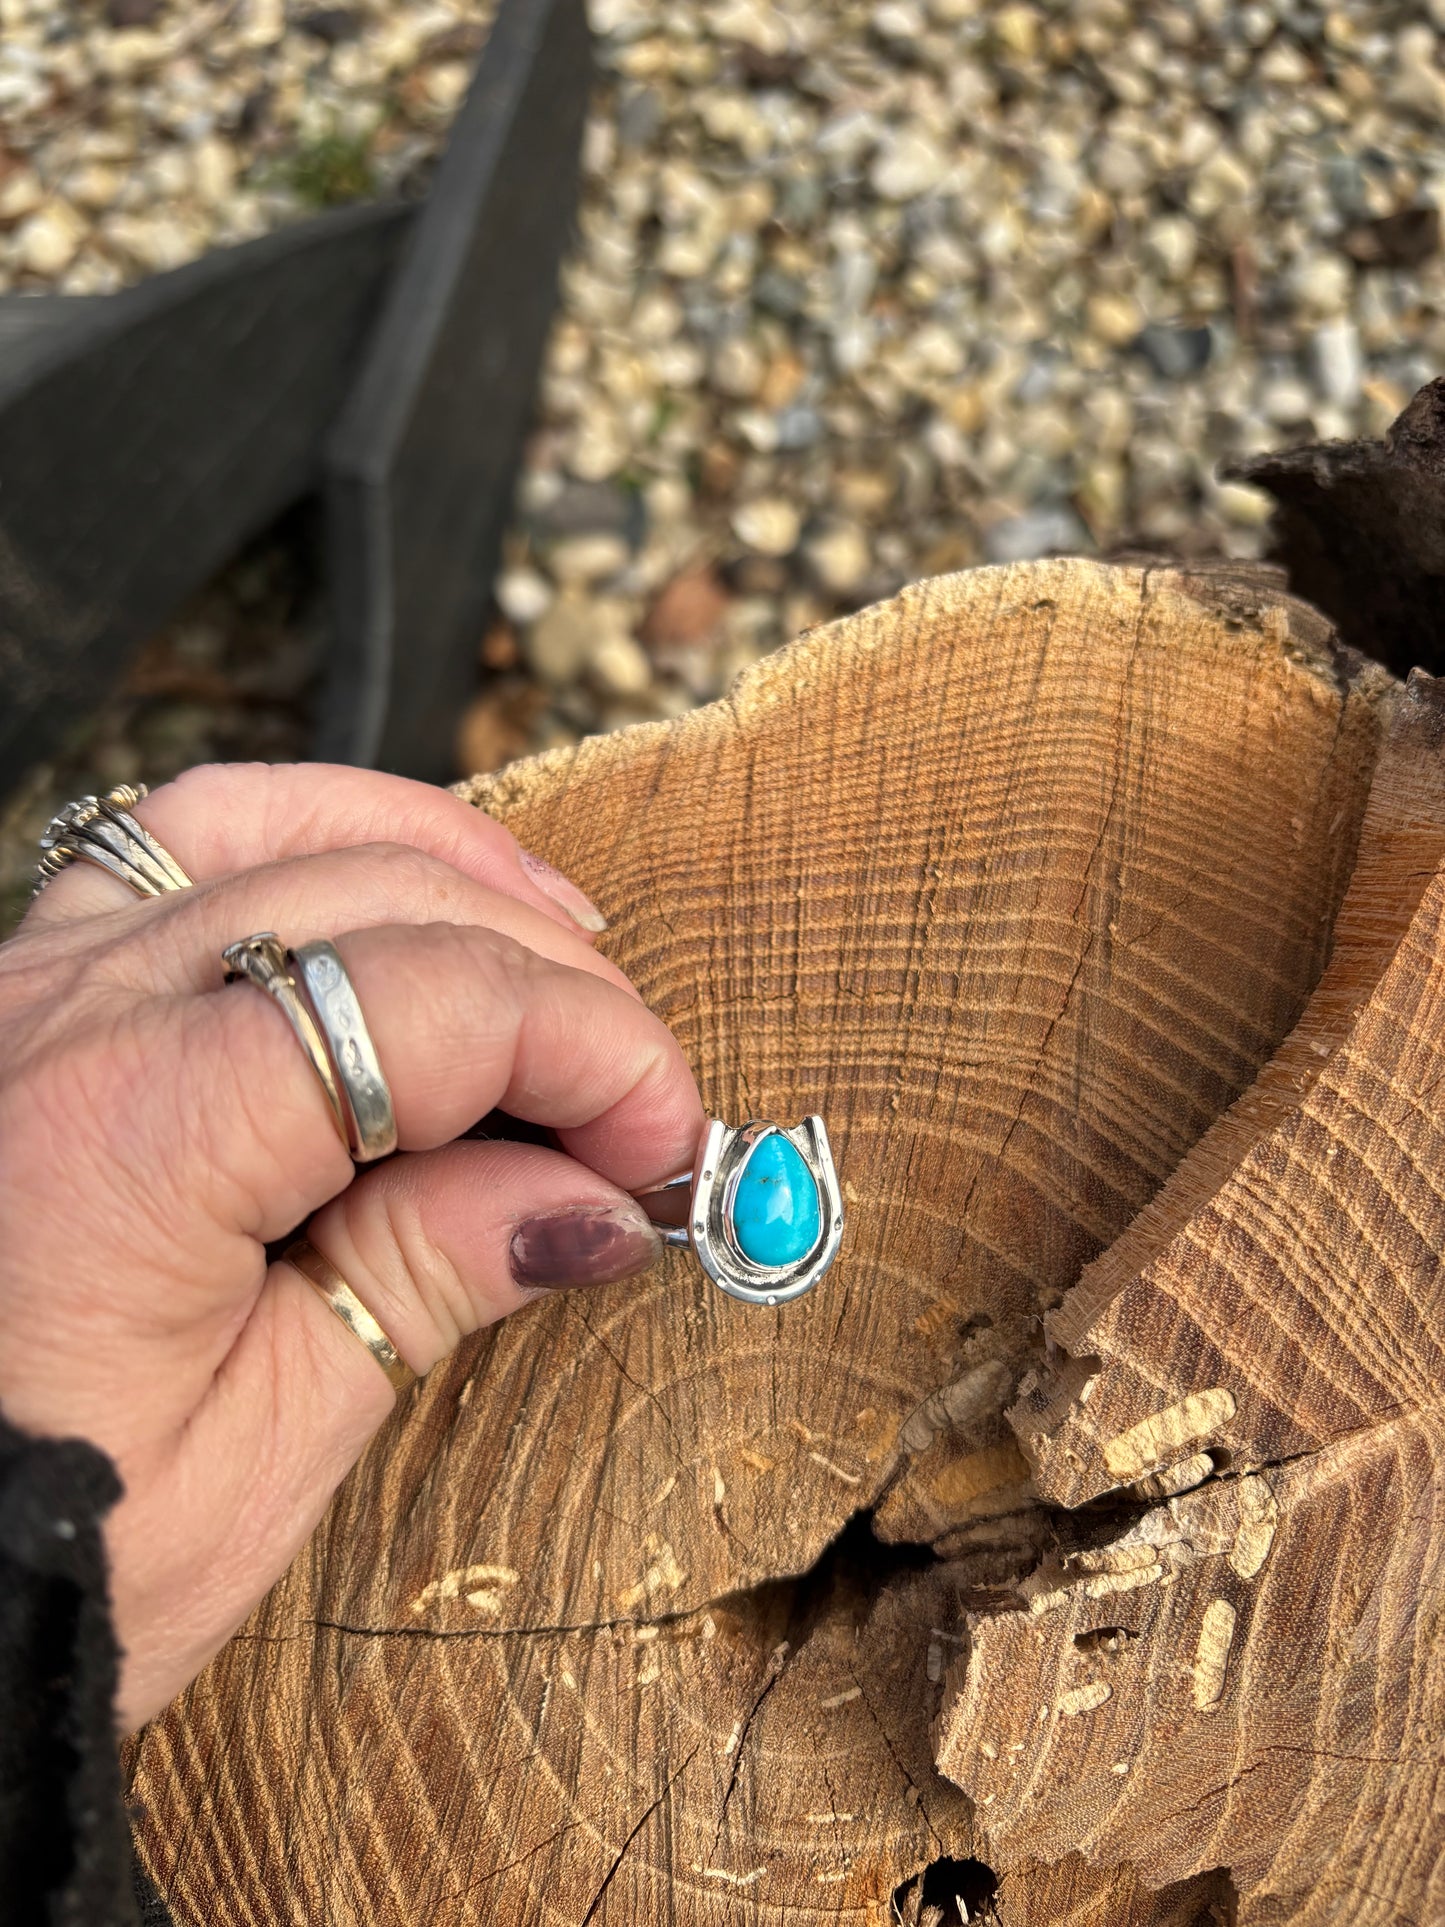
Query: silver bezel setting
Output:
(724,1153)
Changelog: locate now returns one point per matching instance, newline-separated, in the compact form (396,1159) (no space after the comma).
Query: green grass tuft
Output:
(332,169)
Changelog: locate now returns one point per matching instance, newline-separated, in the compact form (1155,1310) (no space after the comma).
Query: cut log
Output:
(1252,1675)
(1020,881)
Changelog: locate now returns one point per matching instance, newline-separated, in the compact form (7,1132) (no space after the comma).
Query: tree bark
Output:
(645,1605)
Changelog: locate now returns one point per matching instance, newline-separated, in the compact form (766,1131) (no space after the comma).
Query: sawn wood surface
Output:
(640,1609)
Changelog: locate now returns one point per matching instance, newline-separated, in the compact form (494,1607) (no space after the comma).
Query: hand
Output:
(157,1130)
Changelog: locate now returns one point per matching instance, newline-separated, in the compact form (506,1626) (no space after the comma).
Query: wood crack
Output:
(622,1851)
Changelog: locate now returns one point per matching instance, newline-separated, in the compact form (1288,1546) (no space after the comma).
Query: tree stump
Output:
(1095,909)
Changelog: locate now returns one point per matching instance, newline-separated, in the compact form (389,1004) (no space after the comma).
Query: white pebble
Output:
(1239,503)
(562,640)
(21,194)
(523,595)
(1286,401)
(94,186)
(1321,284)
(581,560)
(908,165)
(1171,245)
(213,166)
(769,525)
(839,556)
(1337,363)
(619,666)
(50,239)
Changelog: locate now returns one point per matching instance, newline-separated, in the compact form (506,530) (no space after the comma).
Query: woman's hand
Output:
(157,1130)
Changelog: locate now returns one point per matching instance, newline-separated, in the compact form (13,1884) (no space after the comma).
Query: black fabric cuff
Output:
(65,1853)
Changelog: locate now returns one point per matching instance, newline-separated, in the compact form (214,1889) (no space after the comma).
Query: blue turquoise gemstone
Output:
(776,1215)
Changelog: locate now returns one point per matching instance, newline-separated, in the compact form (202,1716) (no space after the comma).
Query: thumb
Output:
(434,1246)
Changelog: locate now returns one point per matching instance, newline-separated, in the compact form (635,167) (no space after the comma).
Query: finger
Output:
(207,1109)
(435,1247)
(438,1245)
(225,817)
(175,943)
(465,1021)
(203,1133)
(472,1021)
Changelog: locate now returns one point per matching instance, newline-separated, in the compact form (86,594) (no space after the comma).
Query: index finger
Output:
(222,818)
(464,1021)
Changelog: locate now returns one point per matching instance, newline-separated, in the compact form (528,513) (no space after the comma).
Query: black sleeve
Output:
(65,1855)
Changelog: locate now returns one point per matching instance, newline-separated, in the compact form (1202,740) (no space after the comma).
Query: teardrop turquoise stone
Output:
(776,1218)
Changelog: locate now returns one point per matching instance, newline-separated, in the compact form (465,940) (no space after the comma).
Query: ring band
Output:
(262,960)
(761,1208)
(364,1089)
(102,831)
(325,1279)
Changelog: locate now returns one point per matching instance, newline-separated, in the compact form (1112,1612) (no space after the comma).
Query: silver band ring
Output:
(761,1208)
(364,1089)
(263,960)
(102,831)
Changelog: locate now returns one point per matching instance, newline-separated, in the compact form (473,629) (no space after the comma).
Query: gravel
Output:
(861,292)
(135,135)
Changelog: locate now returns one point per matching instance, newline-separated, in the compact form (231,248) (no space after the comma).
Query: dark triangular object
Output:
(144,436)
(421,465)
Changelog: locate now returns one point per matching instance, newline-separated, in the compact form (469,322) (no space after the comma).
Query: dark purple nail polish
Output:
(587,1245)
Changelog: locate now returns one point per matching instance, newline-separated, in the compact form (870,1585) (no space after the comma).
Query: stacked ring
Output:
(263,960)
(102,831)
(323,979)
(314,994)
(311,989)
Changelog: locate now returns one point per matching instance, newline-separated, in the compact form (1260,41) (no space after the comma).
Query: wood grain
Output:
(1071,1893)
(1218,1242)
(1252,1676)
(1018,880)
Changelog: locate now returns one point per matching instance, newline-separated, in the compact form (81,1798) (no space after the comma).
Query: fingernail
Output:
(562,890)
(591,1245)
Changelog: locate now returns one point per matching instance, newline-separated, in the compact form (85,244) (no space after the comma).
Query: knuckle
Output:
(387,1225)
(661,1072)
(464,955)
(478,984)
(254,1106)
(416,883)
(507,972)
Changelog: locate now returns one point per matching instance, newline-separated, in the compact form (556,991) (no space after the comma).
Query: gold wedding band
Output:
(262,960)
(322,1275)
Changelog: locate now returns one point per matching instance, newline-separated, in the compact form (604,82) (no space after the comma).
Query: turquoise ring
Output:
(761,1208)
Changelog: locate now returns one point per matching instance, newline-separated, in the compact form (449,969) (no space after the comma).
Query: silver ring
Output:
(366,1096)
(102,831)
(761,1208)
(263,960)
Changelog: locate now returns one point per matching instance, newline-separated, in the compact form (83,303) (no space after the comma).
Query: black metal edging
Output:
(421,463)
(145,435)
